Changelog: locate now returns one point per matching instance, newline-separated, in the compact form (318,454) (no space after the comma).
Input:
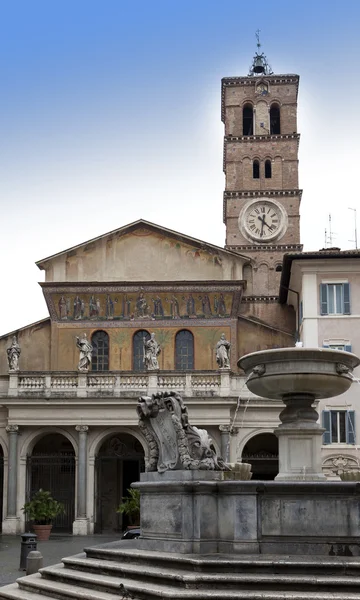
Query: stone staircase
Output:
(121,571)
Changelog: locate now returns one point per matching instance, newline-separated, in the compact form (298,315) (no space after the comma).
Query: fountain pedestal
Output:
(300,439)
(299,377)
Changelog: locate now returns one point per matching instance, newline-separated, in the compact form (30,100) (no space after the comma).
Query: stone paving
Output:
(53,551)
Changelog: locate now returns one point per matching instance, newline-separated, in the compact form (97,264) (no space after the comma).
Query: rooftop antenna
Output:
(355,228)
(260,65)
(329,235)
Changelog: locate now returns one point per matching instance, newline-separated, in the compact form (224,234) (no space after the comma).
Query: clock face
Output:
(262,220)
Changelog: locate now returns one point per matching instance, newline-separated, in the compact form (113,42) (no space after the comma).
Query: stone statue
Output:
(85,353)
(173,442)
(223,352)
(13,353)
(151,352)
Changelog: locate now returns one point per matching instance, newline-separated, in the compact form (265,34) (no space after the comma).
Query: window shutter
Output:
(326,425)
(346,288)
(350,427)
(323,299)
(348,348)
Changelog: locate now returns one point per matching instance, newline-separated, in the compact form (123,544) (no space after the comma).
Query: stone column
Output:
(225,442)
(81,523)
(12,522)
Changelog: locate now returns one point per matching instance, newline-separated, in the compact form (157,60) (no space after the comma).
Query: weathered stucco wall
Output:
(35,348)
(142,255)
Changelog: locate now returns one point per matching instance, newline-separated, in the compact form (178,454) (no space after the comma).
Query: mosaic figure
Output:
(85,353)
(78,305)
(94,307)
(109,307)
(126,306)
(13,354)
(220,306)
(205,301)
(158,307)
(141,306)
(63,308)
(151,352)
(190,306)
(175,311)
(222,350)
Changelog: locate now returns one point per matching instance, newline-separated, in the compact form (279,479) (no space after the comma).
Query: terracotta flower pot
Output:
(42,532)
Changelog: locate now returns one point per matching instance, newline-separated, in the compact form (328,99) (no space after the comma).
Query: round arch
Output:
(51,466)
(261,450)
(118,455)
(33,437)
(1,481)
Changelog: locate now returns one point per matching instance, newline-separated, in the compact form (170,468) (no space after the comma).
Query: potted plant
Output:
(42,509)
(130,506)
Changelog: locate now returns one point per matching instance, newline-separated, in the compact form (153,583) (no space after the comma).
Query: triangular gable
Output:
(143,251)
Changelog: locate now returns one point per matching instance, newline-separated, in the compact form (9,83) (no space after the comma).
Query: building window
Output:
(100,355)
(140,337)
(184,350)
(256,169)
(248,118)
(335,298)
(274,120)
(268,169)
(339,426)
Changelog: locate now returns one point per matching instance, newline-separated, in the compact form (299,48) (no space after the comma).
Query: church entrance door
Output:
(262,452)
(51,467)
(118,464)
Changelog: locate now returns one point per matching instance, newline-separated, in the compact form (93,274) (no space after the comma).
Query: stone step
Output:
(13,592)
(188,579)
(345,565)
(62,591)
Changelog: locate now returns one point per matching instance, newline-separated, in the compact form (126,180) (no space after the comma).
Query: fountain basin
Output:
(321,372)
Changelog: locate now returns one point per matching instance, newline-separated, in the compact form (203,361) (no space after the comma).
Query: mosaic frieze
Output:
(141,305)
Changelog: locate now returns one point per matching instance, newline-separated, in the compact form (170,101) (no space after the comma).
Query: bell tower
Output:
(262,196)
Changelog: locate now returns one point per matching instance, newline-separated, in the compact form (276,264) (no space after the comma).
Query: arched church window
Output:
(140,337)
(248,120)
(274,119)
(184,350)
(100,354)
(256,169)
(268,169)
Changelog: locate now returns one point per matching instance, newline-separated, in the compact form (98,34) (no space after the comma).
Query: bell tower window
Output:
(268,169)
(248,120)
(274,120)
(256,169)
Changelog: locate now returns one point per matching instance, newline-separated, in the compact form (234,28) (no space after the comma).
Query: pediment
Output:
(143,251)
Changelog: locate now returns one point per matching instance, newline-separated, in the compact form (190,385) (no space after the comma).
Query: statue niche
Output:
(173,443)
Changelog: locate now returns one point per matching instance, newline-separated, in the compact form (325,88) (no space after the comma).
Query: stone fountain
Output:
(299,377)
(206,534)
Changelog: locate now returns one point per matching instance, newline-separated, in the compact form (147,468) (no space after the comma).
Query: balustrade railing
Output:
(117,384)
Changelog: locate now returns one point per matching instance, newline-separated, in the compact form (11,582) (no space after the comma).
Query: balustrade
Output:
(80,384)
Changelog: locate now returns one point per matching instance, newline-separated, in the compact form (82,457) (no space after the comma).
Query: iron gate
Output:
(54,473)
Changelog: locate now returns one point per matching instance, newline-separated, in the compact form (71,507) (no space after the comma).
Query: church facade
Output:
(144,309)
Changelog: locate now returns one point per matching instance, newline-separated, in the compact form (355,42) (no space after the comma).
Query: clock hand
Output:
(264,222)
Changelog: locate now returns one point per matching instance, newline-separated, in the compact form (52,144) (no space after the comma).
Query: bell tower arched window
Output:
(274,120)
(184,350)
(100,354)
(248,120)
(268,169)
(256,169)
(140,337)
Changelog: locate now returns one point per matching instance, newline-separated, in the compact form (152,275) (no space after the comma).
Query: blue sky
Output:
(110,112)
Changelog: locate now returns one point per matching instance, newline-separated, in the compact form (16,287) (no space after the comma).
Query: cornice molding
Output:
(261,138)
(269,248)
